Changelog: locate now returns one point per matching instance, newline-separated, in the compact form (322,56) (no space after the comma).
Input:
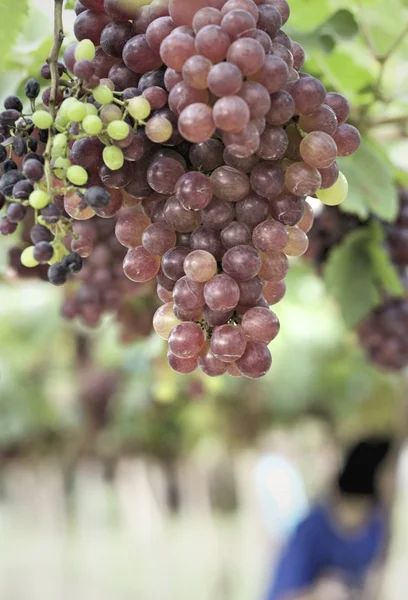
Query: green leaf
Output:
(371,187)
(359,271)
(307,15)
(14,13)
(341,25)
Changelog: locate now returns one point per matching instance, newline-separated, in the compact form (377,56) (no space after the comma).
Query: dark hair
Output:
(363,460)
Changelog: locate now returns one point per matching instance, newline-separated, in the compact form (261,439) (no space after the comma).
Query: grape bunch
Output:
(190,124)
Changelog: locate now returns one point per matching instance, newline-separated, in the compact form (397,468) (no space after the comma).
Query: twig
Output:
(396,43)
(366,32)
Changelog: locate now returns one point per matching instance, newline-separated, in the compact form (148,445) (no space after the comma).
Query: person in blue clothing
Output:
(344,538)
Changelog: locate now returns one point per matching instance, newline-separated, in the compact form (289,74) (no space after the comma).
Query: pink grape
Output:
(196,123)
(213,43)
(230,184)
(260,325)
(274,291)
(184,366)
(318,149)
(221,293)
(257,98)
(186,340)
(200,266)
(242,263)
(140,266)
(182,95)
(228,343)
(194,190)
(180,219)
(183,13)
(206,16)
(244,143)
(340,105)
(217,214)
(231,114)
(247,5)
(247,54)
(238,23)
(273,143)
(188,295)
(176,49)
(209,364)
(173,261)
(256,360)
(267,180)
(235,234)
(270,236)
(273,74)
(224,79)
(298,242)
(195,72)
(302,179)
(347,139)
(158,238)
(275,266)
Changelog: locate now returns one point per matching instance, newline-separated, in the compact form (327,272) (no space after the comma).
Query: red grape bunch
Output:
(190,123)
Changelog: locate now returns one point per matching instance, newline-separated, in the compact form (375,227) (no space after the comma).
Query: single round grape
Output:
(242,263)
(164,295)
(347,139)
(257,98)
(243,144)
(252,210)
(77,175)
(163,175)
(256,360)
(231,114)
(269,20)
(206,16)
(92,125)
(336,194)
(302,179)
(298,56)
(200,266)
(224,79)
(270,236)
(164,320)
(113,38)
(235,234)
(38,199)
(157,31)
(194,190)
(298,242)
(103,94)
(182,95)
(250,291)
(340,105)
(282,108)
(229,184)
(116,179)
(324,119)
(28,259)
(267,180)
(171,77)
(113,158)
(173,261)
(309,94)
(287,208)
(238,23)
(139,57)
(228,343)
(188,295)
(273,74)
(247,54)
(183,13)
(209,364)
(275,266)
(329,176)
(196,123)
(182,366)
(158,238)
(186,340)
(245,164)
(221,293)
(156,96)
(129,229)
(306,222)
(274,291)
(208,155)
(176,49)
(140,266)
(213,43)
(195,72)
(42,119)
(318,149)
(247,5)
(84,50)
(285,54)
(218,214)
(260,325)
(158,129)
(118,130)
(180,219)
(188,315)
(89,25)
(204,238)
(273,144)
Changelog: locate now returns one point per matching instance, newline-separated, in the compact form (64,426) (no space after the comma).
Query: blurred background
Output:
(120,479)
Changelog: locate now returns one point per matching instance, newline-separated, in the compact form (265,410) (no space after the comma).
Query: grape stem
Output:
(52,61)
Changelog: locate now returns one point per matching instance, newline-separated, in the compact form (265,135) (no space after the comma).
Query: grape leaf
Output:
(14,14)
(340,25)
(359,271)
(371,187)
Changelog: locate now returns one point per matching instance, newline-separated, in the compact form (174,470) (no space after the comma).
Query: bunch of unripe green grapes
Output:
(191,124)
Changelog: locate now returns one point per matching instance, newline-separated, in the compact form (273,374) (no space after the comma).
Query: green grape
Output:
(85,50)
(92,125)
(59,145)
(38,199)
(60,123)
(91,109)
(113,158)
(118,130)
(336,194)
(42,119)
(63,111)
(61,165)
(77,175)
(139,108)
(103,94)
(77,112)
(27,258)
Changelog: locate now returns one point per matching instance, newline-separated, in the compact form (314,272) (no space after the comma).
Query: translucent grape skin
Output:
(275,266)
(242,263)
(231,114)
(209,364)
(195,72)
(340,105)
(200,266)
(224,79)
(194,190)
(247,54)
(196,123)
(230,184)
(186,340)
(309,94)
(188,295)
(274,291)
(183,366)
(129,229)
(298,242)
(213,43)
(158,238)
(182,95)
(318,149)
(302,179)
(256,360)
(176,49)
(347,139)
(306,222)
(260,325)
(207,155)
(267,180)
(221,293)
(324,119)
(173,261)
(235,234)
(140,266)
(270,236)
(164,320)
(228,343)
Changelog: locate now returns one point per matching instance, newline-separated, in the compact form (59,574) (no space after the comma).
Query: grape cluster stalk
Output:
(189,124)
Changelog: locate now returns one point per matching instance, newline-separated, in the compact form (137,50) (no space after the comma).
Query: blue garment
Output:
(317,548)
